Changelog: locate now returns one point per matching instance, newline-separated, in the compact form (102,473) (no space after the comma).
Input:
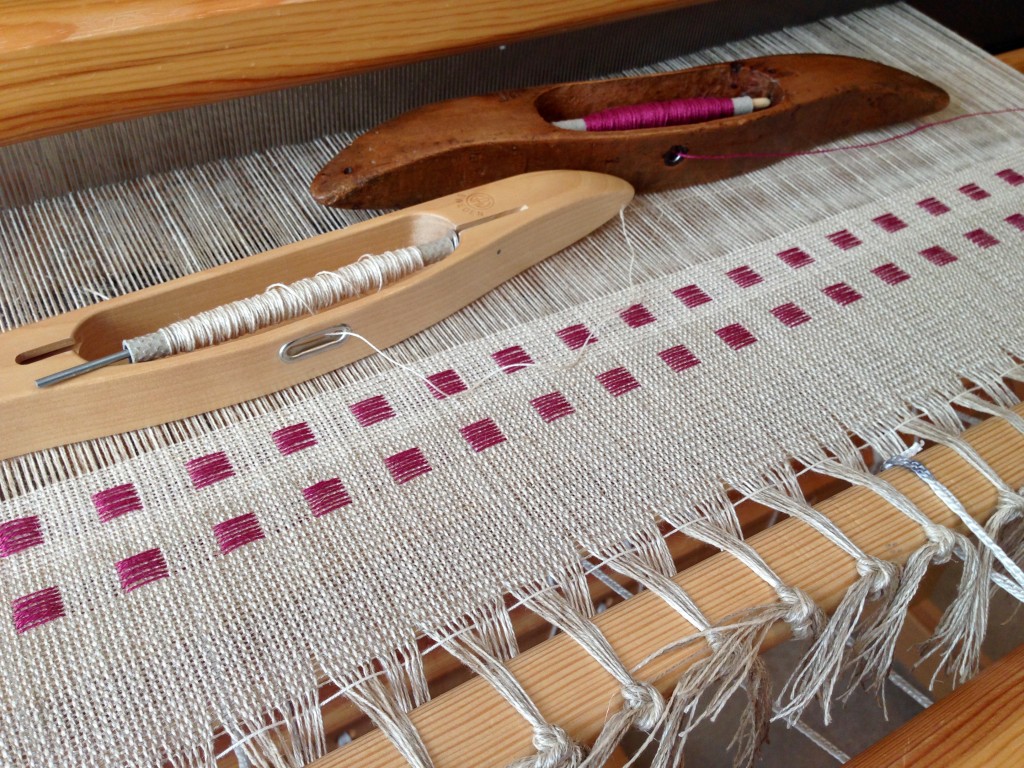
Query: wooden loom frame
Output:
(147,56)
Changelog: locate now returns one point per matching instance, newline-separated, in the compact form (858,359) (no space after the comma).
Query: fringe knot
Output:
(802,614)
(882,573)
(944,540)
(646,703)
(554,748)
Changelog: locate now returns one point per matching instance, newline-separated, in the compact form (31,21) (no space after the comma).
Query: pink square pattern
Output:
(294,438)
(445,384)
(20,534)
(326,496)
(482,435)
(618,381)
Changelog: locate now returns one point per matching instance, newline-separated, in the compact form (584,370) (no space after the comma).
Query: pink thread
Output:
(842,294)
(294,438)
(372,410)
(655,114)
(679,358)
(20,534)
(552,406)
(691,296)
(890,222)
(790,315)
(445,383)
(141,569)
(512,359)
(36,608)
(974,192)
(744,276)
(981,238)
(934,206)
(209,469)
(844,239)
(237,532)
(618,381)
(938,255)
(576,336)
(636,316)
(482,435)
(407,464)
(890,274)
(1011,177)
(736,336)
(326,496)
(116,501)
(1016,220)
(853,147)
(795,258)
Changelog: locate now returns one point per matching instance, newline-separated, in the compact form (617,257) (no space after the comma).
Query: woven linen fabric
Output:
(212,571)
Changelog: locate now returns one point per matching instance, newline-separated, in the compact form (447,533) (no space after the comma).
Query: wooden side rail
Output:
(981,725)
(573,691)
(67,64)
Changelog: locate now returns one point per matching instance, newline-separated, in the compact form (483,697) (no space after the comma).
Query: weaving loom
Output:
(213,590)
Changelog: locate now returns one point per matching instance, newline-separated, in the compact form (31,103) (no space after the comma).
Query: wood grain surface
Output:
(67,64)
(981,725)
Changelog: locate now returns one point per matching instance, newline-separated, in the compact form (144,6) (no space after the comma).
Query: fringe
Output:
(297,741)
(381,705)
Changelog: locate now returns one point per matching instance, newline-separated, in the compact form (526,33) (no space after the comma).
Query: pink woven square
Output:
(678,358)
(795,257)
(209,469)
(512,359)
(890,274)
(482,435)
(294,438)
(407,464)
(636,316)
(552,406)
(736,336)
(445,383)
(36,609)
(844,239)
(1016,220)
(1011,177)
(974,192)
(934,206)
(938,255)
(842,294)
(890,222)
(20,534)
(790,315)
(618,381)
(141,569)
(327,496)
(576,336)
(119,500)
(744,276)
(237,532)
(981,238)
(372,410)
(691,296)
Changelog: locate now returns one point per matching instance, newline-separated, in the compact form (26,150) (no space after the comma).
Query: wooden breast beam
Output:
(69,64)
(981,724)
(472,725)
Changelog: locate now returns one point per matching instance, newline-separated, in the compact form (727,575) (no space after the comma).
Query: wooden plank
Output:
(67,64)
(474,726)
(981,725)
(1014,58)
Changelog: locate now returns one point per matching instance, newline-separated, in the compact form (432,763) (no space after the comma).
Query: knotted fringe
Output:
(733,662)
(957,637)
(643,705)
(817,673)
(555,749)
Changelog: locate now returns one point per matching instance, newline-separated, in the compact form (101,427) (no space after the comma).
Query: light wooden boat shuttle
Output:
(544,213)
